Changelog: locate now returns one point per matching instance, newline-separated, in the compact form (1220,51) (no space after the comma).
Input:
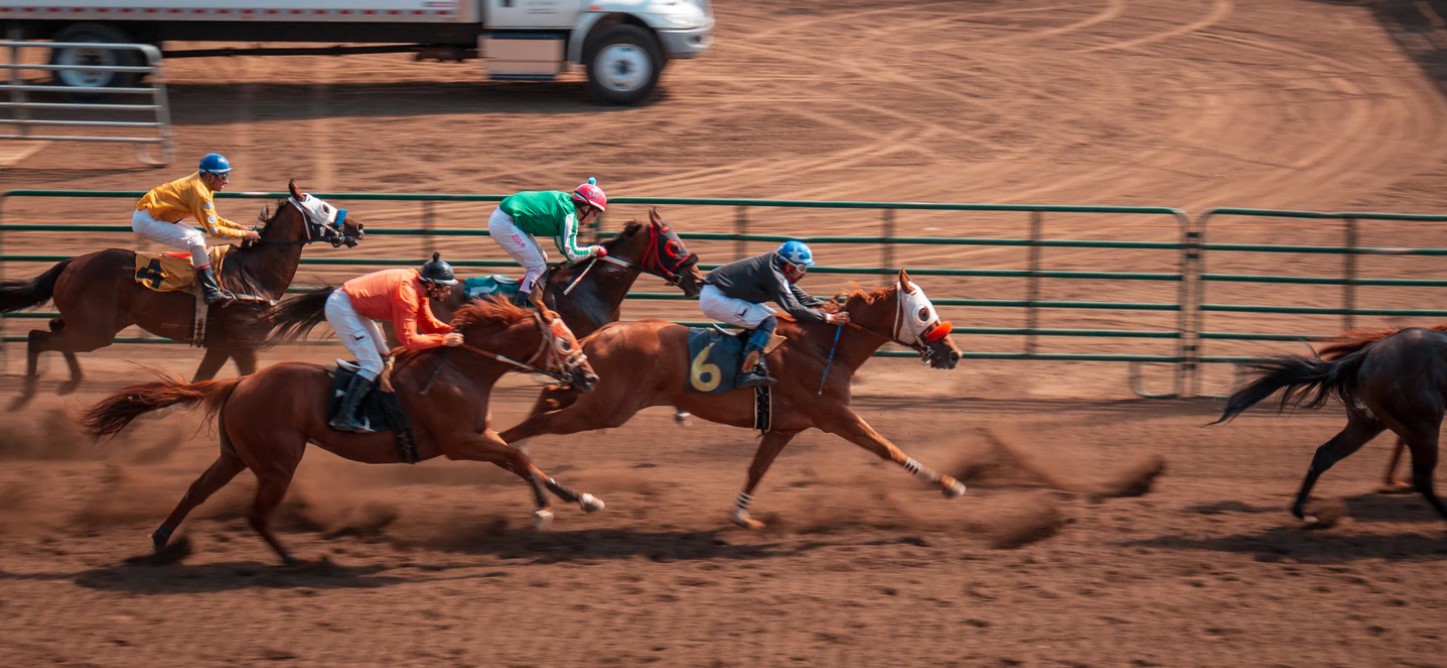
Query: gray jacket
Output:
(759,279)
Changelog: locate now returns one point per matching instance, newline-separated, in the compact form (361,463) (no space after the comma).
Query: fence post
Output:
(1032,285)
(886,256)
(427,218)
(1188,323)
(1349,276)
(741,227)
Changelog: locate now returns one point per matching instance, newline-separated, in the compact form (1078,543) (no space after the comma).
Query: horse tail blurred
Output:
(295,316)
(113,413)
(1356,340)
(1305,382)
(17,294)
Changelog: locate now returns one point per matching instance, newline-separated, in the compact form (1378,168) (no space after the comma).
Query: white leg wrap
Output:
(920,471)
(743,502)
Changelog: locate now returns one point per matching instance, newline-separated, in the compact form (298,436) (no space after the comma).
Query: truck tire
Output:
(624,62)
(82,79)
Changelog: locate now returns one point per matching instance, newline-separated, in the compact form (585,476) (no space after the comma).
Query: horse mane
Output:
(492,308)
(868,295)
(1357,339)
(626,233)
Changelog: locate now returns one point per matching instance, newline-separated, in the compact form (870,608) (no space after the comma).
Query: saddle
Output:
(172,272)
(481,287)
(380,410)
(714,356)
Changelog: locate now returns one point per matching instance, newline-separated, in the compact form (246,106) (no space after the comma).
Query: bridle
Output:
(316,230)
(555,360)
(653,261)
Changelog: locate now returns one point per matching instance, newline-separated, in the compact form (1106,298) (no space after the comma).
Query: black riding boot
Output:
(211,291)
(754,371)
(346,419)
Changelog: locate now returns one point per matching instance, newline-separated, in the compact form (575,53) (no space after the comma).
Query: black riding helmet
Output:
(437,271)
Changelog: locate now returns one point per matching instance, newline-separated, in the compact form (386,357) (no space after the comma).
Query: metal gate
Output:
(138,114)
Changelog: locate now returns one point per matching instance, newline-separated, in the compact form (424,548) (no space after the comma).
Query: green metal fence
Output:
(1179,255)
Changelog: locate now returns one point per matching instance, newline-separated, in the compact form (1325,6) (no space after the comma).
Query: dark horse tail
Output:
(295,316)
(20,293)
(1307,382)
(113,413)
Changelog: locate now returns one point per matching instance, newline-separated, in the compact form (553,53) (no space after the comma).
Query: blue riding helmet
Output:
(797,253)
(215,163)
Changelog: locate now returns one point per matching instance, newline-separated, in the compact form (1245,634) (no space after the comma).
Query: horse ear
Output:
(536,296)
(904,281)
(653,216)
(291,185)
(265,214)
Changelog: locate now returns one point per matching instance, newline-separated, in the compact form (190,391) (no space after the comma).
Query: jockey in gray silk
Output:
(736,293)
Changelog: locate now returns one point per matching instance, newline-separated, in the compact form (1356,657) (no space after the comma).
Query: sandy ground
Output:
(1059,555)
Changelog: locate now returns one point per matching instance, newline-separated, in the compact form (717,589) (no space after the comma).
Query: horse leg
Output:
(211,364)
(1361,427)
(271,487)
(73,363)
(245,359)
(773,443)
(226,466)
(66,339)
(1423,443)
(1392,483)
(849,425)
(488,446)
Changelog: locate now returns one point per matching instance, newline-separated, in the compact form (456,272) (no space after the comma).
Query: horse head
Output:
(536,341)
(904,315)
(304,218)
(658,250)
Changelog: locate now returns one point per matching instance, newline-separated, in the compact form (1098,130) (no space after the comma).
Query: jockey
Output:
(735,293)
(522,216)
(401,296)
(159,214)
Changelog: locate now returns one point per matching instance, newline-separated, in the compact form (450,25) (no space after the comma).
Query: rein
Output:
(529,365)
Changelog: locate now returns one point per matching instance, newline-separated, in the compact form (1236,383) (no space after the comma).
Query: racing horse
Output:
(265,420)
(1397,383)
(646,363)
(97,294)
(1350,343)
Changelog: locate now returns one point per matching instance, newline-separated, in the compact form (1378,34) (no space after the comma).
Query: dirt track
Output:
(1277,103)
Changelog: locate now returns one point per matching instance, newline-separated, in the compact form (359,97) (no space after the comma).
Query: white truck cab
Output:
(624,45)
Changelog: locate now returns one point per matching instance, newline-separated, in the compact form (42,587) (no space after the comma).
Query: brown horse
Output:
(645,363)
(266,420)
(590,294)
(1350,343)
(1397,383)
(97,295)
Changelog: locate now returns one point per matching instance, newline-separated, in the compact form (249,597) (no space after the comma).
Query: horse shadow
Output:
(1279,544)
(137,577)
(554,547)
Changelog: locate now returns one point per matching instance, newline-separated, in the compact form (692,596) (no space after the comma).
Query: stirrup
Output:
(754,378)
(351,425)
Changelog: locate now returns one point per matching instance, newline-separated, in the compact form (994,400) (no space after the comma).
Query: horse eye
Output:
(565,345)
(326,209)
(923,313)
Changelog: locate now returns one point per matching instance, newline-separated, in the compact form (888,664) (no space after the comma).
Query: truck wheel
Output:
(93,32)
(624,62)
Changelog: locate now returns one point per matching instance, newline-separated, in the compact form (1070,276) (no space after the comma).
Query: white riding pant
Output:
(361,336)
(523,248)
(175,235)
(737,312)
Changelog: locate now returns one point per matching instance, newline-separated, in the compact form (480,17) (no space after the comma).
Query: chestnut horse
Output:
(1397,383)
(1350,343)
(266,419)
(645,363)
(97,295)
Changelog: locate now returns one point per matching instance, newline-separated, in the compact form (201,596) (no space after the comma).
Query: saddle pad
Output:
(714,356)
(172,272)
(478,287)
(379,410)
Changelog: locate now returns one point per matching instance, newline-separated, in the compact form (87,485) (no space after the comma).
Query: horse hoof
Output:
(680,418)
(542,518)
(743,520)
(1395,487)
(21,401)
(954,491)
(590,503)
(67,387)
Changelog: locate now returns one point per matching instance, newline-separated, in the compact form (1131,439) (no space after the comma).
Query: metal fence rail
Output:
(57,106)
(1187,256)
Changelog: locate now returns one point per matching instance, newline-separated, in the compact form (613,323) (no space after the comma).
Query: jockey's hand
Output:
(600,252)
(452,339)
(840,318)
(251,235)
